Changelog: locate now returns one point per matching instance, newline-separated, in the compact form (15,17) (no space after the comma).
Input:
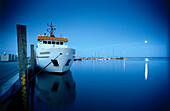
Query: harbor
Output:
(26,85)
(124,85)
(113,82)
(92,83)
(84,55)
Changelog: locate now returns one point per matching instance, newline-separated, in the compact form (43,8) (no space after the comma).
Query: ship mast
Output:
(51,29)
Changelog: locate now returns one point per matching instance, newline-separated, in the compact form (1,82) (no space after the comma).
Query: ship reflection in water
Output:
(56,90)
(44,93)
(115,85)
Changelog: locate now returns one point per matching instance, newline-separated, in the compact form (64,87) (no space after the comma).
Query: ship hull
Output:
(61,59)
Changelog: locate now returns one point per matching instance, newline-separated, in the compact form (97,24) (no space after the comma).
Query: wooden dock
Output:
(8,76)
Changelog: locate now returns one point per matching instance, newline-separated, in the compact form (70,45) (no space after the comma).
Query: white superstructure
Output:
(54,49)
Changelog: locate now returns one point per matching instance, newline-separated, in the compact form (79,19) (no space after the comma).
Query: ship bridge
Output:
(51,41)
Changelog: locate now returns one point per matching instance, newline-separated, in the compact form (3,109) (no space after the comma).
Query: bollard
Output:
(22,53)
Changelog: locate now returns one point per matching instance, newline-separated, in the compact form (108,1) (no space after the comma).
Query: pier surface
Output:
(8,75)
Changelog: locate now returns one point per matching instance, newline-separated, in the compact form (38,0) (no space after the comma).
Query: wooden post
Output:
(32,59)
(22,53)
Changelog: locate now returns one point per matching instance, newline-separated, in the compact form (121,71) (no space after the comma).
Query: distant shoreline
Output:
(144,57)
(108,58)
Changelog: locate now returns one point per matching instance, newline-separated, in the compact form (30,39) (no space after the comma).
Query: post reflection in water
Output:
(146,70)
(56,90)
(99,88)
(124,65)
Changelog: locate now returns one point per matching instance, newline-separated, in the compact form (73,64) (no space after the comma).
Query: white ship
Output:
(54,49)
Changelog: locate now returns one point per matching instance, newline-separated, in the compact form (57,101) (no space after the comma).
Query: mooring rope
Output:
(39,71)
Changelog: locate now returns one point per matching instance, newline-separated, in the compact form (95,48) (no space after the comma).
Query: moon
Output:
(146,41)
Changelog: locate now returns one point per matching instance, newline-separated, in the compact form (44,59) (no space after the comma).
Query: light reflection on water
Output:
(146,71)
(124,64)
(120,85)
(130,84)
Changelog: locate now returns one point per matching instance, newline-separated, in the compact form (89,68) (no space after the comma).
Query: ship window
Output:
(53,42)
(61,43)
(44,42)
(39,40)
(57,43)
(49,42)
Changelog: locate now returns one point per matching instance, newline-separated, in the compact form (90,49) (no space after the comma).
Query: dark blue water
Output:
(133,84)
(110,85)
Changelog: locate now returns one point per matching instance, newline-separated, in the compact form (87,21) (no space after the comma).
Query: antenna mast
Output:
(51,29)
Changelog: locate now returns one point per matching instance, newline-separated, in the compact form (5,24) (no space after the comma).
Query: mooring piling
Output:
(32,59)
(22,53)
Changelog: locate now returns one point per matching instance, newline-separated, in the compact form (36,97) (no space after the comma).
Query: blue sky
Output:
(93,27)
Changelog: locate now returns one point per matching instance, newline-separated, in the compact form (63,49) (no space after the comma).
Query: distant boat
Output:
(101,59)
(119,58)
(54,49)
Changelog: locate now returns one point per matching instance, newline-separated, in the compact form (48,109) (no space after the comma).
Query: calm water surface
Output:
(111,85)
